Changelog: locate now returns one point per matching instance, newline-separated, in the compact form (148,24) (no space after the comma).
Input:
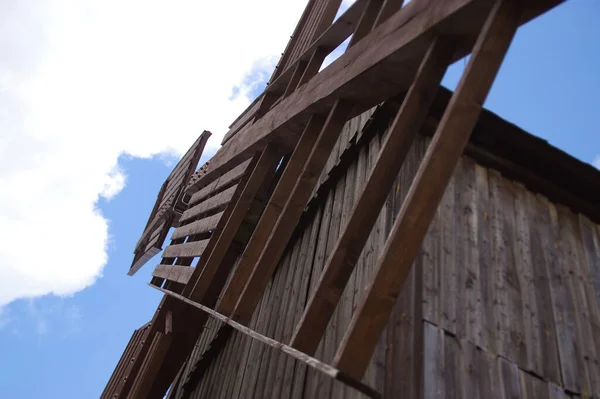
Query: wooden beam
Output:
(269,217)
(372,71)
(367,21)
(263,171)
(388,9)
(292,210)
(427,189)
(304,358)
(348,247)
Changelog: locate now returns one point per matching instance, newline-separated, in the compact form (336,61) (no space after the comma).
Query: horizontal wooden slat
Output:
(154,243)
(218,202)
(187,250)
(176,273)
(201,226)
(223,181)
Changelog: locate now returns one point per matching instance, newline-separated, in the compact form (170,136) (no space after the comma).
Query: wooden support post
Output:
(388,8)
(296,201)
(346,252)
(264,170)
(270,215)
(427,189)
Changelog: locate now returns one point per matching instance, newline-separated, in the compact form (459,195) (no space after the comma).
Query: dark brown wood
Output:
(291,212)
(263,171)
(270,215)
(388,9)
(427,189)
(308,360)
(367,21)
(148,372)
(366,210)
(389,56)
(168,203)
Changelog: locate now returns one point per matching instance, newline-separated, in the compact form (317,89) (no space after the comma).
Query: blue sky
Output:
(66,347)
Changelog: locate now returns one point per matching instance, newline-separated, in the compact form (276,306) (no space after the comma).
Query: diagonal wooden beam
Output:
(427,189)
(367,21)
(388,8)
(263,171)
(292,210)
(270,215)
(346,252)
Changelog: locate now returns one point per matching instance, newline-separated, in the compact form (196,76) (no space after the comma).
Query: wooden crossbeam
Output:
(427,189)
(324,368)
(389,55)
(291,212)
(263,172)
(348,247)
(269,217)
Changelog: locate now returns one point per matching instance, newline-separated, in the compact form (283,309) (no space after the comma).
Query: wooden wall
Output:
(503,300)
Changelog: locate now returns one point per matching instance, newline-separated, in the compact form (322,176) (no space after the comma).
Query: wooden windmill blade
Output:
(169,205)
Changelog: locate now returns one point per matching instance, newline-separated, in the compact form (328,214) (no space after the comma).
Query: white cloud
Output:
(83,82)
(596,161)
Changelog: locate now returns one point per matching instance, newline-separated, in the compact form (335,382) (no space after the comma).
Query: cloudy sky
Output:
(99,98)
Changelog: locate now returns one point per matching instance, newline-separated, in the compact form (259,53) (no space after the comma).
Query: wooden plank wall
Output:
(503,302)
(512,275)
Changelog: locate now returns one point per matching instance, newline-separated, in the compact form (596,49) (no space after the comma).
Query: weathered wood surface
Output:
(389,161)
(169,201)
(292,210)
(428,188)
(475,223)
(211,205)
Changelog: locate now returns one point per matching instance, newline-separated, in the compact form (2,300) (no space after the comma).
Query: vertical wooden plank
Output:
(507,305)
(509,381)
(562,307)
(525,276)
(434,381)
(589,268)
(470,312)
(293,373)
(486,276)
(541,254)
(569,233)
(276,360)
